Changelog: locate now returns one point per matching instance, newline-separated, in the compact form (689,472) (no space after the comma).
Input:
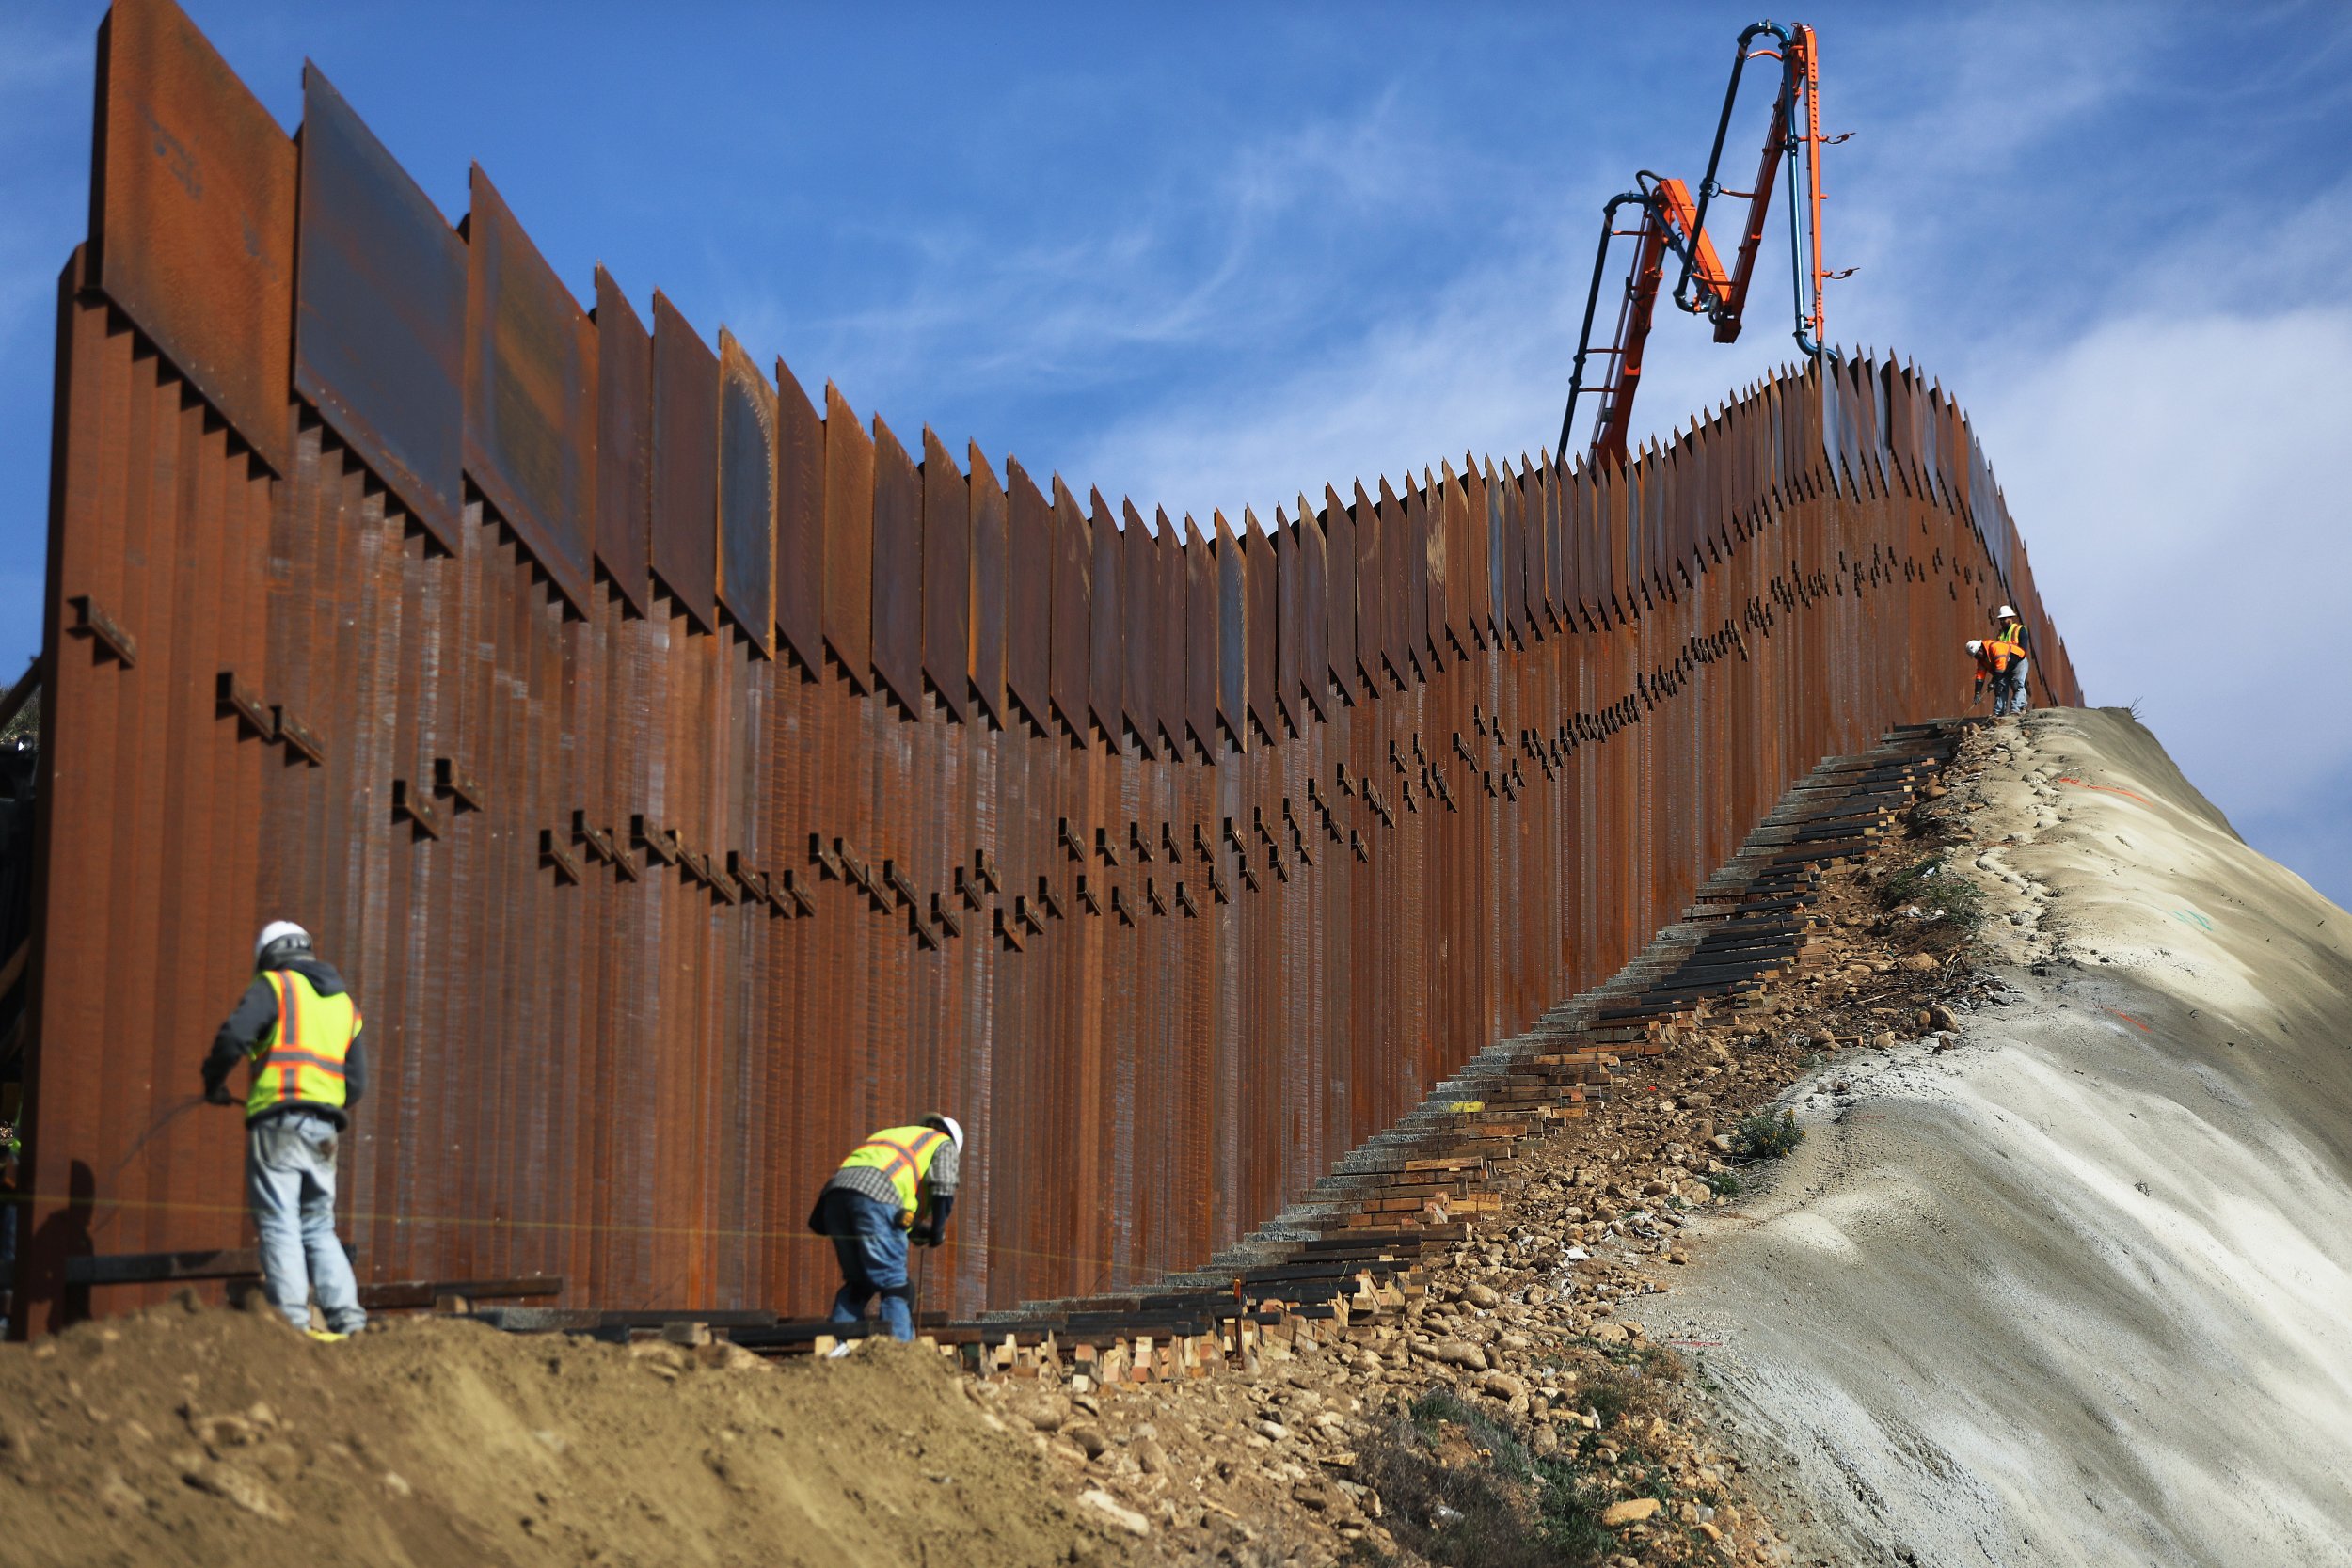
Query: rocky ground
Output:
(1516,1411)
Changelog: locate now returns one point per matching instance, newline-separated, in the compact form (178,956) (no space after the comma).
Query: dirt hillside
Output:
(214,1437)
(2079,1290)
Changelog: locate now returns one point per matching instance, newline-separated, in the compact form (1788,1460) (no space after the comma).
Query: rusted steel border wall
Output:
(691,778)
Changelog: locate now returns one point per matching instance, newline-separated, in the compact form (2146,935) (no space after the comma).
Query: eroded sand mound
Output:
(2081,1290)
(221,1437)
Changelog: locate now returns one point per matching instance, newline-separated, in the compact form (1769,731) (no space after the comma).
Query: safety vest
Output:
(903,1154)
(302,1055)
(2000,651)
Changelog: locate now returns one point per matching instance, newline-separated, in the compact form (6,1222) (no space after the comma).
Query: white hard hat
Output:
(2007,612)
(948,1125)
(1975,646)
(278,931)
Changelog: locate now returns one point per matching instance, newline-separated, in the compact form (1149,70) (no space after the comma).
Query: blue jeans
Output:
(873,1253)
(290,1181)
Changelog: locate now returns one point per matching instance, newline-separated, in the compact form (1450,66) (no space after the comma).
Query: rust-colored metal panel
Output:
(1314,592)
(1261,593)
(1233,635)
(800,523)
(1339,580)
(1174,661)
(1072,642)
(991,561)
(380,311)
(747,495)
(1202,646)
(1141,596)
(1438,491)
(897,571)
(1370,653)
(684,466)
(1029,597)
(530,394)
(192,205)
(1288,625)
(1388,590)
(1557,554)
(1512,557)
(624,445)
(1413,561)
(1534,488)
(1107,617)
(848,541)
(947,576)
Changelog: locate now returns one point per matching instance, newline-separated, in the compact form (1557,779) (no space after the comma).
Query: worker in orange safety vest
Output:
(298,1028)
(898,1186)
(1996,663)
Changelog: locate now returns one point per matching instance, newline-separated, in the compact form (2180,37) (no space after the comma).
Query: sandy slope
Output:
(2081,1290)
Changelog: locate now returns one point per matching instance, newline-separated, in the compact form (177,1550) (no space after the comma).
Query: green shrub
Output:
(1942,894)
(1722,1182)
(1510,1510)
(1765,1137)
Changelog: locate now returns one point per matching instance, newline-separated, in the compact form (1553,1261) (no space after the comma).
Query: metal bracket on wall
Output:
(235,697)
(552,854)
(944,916)
(599,843)
(1086,896)
(802,905)
(660,846)
(460,786)
(417,808)
(827,862)
(300,738)
(105,633)
(1010,931)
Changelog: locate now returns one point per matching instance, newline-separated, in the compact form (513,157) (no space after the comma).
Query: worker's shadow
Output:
(66,1233)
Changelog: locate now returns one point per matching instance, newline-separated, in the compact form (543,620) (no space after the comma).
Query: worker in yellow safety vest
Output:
(898,1186)
(298,1028)
(2011,644)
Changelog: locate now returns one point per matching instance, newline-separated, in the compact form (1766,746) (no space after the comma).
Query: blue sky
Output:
(1216,255)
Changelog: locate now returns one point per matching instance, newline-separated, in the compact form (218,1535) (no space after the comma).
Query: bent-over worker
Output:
(898,1186)
(299,1028)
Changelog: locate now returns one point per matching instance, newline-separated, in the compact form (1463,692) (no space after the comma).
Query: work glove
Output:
(923,1235)
(218,1094)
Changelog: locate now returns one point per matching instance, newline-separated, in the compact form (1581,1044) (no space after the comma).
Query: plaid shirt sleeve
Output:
(944,1169)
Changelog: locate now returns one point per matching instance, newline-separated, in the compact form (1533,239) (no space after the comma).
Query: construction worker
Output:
(1998,664)
(898,1186)
(299,1028)
(2009,632)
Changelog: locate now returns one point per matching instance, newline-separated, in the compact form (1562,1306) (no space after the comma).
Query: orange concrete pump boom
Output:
(1673,222)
